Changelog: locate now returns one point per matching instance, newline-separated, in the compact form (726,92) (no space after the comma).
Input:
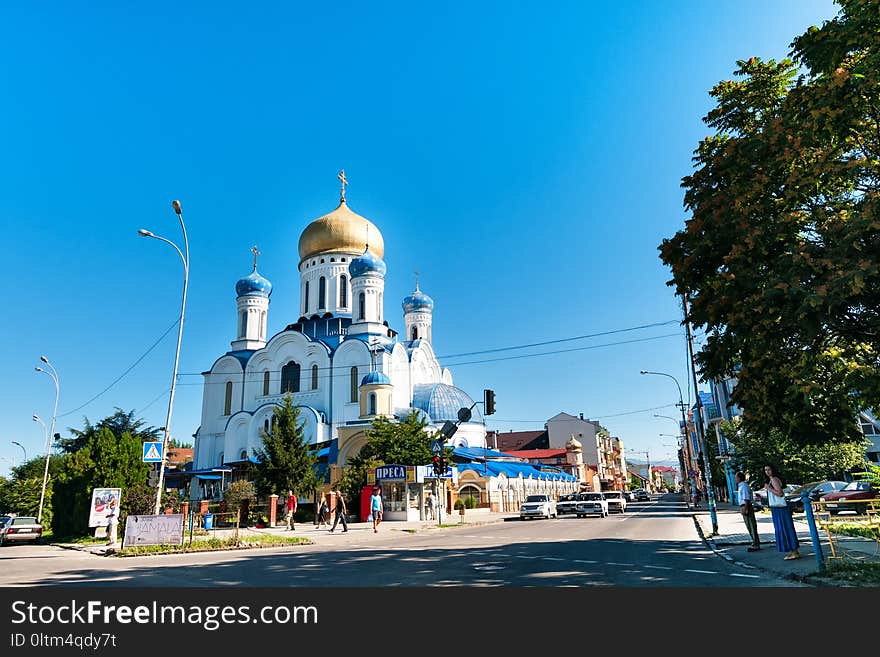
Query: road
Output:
(653,544)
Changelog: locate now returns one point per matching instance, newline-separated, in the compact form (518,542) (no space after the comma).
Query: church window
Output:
(242,324)
(362,306)
(322,293)
(263,325)
(290,377)
(342,259)
(379,309)
(266,382)
(354,384)
(415,333)
(322,261)
(222,458)
(306,299)
(314,377)
(343,291)
(266,425)
(332,259)
(227,404)
(372,409)
(243,456)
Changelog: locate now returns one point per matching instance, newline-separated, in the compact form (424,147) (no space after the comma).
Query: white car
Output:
(616,500)
(592,504)
(538,506)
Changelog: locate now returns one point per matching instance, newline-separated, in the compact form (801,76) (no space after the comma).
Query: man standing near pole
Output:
(747,509)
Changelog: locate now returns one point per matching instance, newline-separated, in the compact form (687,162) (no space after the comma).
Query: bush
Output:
(470,502)
(459,504)
(237,493)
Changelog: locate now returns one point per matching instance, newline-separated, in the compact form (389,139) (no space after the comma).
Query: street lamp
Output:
(22,449)
(54,376)
(185,260)
(681,406)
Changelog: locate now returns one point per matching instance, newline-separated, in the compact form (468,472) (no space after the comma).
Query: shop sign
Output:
(391,473)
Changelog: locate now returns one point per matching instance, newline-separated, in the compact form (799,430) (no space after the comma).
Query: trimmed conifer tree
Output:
(285,461)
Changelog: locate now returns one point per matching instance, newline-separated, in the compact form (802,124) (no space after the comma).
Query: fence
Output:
(864,527)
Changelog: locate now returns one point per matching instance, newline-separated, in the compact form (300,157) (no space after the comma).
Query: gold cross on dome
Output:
(256,252)
(344,181)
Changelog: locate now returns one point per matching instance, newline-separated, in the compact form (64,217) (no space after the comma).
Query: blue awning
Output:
(325,451)
(510,469)
(207,476)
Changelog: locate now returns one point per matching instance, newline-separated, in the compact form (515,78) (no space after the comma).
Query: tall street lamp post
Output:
(52,373)
(184,257)
(22,449)
(682,445)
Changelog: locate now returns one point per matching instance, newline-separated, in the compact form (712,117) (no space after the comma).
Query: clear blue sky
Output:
(525,157)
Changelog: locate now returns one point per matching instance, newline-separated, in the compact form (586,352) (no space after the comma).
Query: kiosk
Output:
(404,488)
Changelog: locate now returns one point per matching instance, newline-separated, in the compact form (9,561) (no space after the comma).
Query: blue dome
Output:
(368,263)
(418,301)
(441,402)
(376,378)
(253,285)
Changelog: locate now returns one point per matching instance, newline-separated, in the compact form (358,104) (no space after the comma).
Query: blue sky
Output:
(525,158)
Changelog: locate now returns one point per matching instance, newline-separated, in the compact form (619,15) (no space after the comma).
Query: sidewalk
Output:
(732,541)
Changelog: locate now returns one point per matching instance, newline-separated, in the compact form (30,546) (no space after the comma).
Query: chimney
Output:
(582,415)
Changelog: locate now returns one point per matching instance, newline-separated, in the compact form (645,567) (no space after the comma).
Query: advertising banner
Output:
(103,499)
(153,530)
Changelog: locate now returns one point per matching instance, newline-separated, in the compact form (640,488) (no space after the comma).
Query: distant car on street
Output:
(538,506)
(641,495)
(855,490)
(20,529)
(567,503)
(616,500)
(592,504)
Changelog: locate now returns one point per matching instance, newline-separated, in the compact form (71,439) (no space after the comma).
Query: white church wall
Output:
(351,353)
(398,372)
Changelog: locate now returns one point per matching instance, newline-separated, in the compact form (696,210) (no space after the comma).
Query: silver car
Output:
(20,529)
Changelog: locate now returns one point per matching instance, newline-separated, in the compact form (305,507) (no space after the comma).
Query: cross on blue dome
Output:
(253,285)
(367,263)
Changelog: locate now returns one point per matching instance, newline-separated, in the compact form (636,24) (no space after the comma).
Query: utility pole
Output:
(701,430)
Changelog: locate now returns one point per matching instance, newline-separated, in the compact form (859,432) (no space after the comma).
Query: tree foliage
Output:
(781,256)
(285,461)
(118,423)
(404,442)
(798,463)
(354,478)
(21,495)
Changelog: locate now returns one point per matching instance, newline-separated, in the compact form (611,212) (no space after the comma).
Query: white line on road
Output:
(585,561)
(659,567)
(553,558)
(702,572)
(744,575)
(614,563)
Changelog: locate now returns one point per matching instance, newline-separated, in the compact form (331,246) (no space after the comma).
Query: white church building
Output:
(340,360)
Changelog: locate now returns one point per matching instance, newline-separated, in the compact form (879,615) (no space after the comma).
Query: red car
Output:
(855,490)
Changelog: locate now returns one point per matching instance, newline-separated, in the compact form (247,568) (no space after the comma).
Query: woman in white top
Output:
(783,525)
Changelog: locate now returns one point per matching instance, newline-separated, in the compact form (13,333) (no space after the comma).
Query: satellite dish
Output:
(464,414)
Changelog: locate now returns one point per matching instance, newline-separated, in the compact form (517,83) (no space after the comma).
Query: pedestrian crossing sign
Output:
(152,452)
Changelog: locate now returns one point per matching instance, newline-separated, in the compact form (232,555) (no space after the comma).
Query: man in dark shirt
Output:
(340,512)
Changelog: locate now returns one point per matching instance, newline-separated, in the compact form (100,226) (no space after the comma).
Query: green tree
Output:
(404,442)
(118,423)
(21,495)
(285,461)
(781,256)
(798,463)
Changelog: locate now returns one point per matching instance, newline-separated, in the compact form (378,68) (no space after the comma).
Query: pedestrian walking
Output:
(783,525)
(340,512)
(291,510)
(323,513)
(112,522)
(745,499)
(429,505)
(376,508)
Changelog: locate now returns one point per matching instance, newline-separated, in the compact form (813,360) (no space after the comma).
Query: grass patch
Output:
(851,573)
(863,529)
(213,544)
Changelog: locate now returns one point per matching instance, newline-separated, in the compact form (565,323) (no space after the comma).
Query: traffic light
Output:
(488,402)
(442,466)
(437,469)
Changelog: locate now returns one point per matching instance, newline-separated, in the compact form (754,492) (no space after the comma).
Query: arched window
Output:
(306,299)
(322,293)
(266,425)
(243,456)
(290,378)
(372,404)
(415,333)
(379,308)
(222,458)
(314,377)
(263,325)
(242,324)
(354,384)
(362,306)
(266,382)
(227,405)
(343,291)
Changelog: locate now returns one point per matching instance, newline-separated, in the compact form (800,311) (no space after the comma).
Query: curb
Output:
(712,546)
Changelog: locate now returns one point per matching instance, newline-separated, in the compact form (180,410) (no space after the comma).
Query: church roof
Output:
(442,401)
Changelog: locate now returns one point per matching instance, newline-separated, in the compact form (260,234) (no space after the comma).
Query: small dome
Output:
(573,444)
(418,301)
(253,285)
(376,378)
(365,264)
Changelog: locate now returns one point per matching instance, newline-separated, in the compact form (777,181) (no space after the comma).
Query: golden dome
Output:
(341,231)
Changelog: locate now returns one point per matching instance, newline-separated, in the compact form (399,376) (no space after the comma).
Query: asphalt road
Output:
(653,544)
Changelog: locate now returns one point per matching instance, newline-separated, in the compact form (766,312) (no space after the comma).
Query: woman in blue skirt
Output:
(783,525)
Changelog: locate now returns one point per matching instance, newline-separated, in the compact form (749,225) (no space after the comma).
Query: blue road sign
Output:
(152,453)
(436,447)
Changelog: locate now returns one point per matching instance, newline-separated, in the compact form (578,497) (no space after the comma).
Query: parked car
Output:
(592,504)
(855,490)
(815,491)
(538,506)
(616,500)
(567,503)
(628,496)
(641,495)
(20,529)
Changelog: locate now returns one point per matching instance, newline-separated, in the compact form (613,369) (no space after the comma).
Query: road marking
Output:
(659,567)
(744,575)
(585,561)
(614,563)
(553,559)
(702,572)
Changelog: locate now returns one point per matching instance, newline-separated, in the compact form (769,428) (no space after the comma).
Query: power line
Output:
(598,417)
(157,398)
(121,376)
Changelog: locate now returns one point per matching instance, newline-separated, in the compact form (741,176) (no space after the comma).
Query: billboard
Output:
(103,499)
(153,530)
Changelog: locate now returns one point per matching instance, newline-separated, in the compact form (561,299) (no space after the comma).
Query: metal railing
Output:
(864,524)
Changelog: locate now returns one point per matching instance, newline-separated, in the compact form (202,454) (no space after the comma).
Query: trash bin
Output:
(209,521)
